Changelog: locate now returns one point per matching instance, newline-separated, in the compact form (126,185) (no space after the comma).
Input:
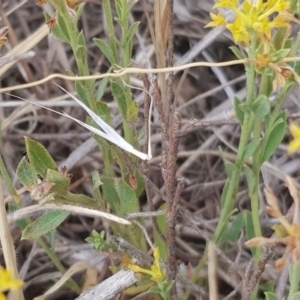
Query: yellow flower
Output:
(294,145)
(217,20)
(286,233)
(252,17)
(157,273)
(7,282)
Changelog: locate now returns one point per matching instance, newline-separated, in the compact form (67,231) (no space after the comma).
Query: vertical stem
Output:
(247,127)
(254,196)
(294,277)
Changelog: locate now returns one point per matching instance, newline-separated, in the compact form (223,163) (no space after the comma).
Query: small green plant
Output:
(97,240)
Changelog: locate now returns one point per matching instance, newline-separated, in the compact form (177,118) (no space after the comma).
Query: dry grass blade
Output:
(14,58)
(25,46)
(76,268)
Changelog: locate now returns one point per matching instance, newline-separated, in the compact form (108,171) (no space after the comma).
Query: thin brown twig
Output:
(172,191)
(178,192)
(249,285)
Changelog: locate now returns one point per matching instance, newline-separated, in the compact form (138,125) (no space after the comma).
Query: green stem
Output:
(256,167)
(294,279)
(233,184)
(254,195)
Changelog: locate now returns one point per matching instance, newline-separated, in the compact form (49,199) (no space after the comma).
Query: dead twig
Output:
(249,284)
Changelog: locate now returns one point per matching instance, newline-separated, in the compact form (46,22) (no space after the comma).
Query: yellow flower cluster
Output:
(256,16)
(157,273)
(7,282)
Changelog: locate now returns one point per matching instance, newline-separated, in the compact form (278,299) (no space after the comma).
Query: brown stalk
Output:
(145,167)
(250,284)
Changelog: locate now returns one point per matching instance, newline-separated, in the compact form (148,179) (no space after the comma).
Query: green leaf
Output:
(281,54)
(132,31)
(102,86)
(106,50)
(39,157)
(119,8)
(268,286)
(120,97)
(110,195)
(261,106)
(238,111)
(79,86)
(289,44)
(44,224)
(229,168)
(235,228)
(271,296)
(250,148)
(61,182)
(81,39)
(250,178)
(296,67)
(96,186)
(55,30)
(128,200)
(26,173)
(129,204)
(80,53)
(61,24)
(103,111)
(237,52)
(275,137)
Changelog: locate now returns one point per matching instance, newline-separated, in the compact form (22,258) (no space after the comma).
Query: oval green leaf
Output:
(275,137)
(39,157)
(44,224)
(26,173)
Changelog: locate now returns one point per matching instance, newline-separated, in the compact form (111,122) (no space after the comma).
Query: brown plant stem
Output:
(145,167)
